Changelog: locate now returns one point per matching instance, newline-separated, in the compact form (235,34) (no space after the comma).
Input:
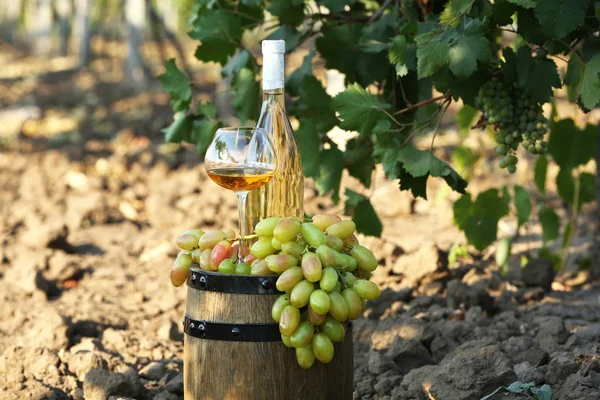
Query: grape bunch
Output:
(211,251)
(517,119)
(324,273)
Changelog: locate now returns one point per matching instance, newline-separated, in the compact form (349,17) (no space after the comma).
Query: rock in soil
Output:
(538,272)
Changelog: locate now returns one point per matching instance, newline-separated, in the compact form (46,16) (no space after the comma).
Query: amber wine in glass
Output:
(241,159)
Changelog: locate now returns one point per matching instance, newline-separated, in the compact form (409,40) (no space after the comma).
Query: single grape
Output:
(196,255)
(350,241)
(323,221)
(303,334)
(263,247)
(250,258)
(300,294)
(352,263)
(287,229)
(320,302)
(221,251)
(210,239)
(276,244)
(353,301)
(187,240)
(334,242)
(235,249)
(337,287)
(180,269)
(328,279)
(364,258)
(340,260)
(289,320)
(280,304)
(341,229)
(334,329)
(305,356)
(501,150)
(313,235)
(287,341)
(289,278)
(326,255)
(292,248)
(338,308)
(226,267)
(280,262)
(349,278)
(314,317)
(242,269)
(259,268)
(367,289)
(205,260)
(266,226)
(311,267)
(322,347)
(229,233)
(511,169)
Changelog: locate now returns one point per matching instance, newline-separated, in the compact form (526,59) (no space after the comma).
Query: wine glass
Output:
(241,159)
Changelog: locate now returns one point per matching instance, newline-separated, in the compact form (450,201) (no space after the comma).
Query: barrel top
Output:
(226,283)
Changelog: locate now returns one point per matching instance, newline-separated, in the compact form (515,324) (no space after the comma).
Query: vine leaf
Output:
(177,86)
(237,62)
(453,10)
(310,147)
(522,204)
(246,94)
(290,34)
(330,173)
(358,109)
(359,162)
(432,53)
(289,12)
(469,47)
(541,169)
(590,84)
(315,103)
(363,214)
(523,3)
(180,129)
(219,33)
(570,146)
(550,223)
(465,119)
(294,81)
(537,77)
(560,17)
(203,129)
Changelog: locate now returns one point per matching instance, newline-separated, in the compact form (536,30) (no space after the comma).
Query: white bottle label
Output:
(273,64)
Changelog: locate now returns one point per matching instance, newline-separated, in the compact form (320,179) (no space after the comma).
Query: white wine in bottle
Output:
(284,194)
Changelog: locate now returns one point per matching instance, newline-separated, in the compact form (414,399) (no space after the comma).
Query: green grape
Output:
(287,229)
(292,248)
(502,163)
(353,301)
(301,293)
(259,268)
(242,269)
(511,169)
(340,260)
(280,262)
(305,356)
(366,289)
(263,247)
(287,341)
(180,269)
(349,278)
(187,241)
(329,279)
(362,274)
(334,242)
(350,241)
(326,256)
(352,263)
(538,147)
(334,329)
(319,301)
(303,334)
(289,320)
(266,226)
(338,308)
(314,317)
(341,229)
(322,347)
(280,304)
(210,239)
(205,260)
(313,235)
(276,244)
(337,287)
(311,267)
(323,221)
(226,267)
(196,255)
(501,150)
(364,258)
(289,278)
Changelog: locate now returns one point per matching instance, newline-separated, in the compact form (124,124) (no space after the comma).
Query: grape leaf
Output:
(464,159)
(453,10)
(587,187)
(524,3)
(469,46)
(177,85)
(246,95)
(358,109)
(590,85)
(310,147)
(529,27)
(219,33)
(202,133)
(550,223)
(289,12)
(502,12)
(575,69)
(565,185)
(359,162)
(330,173)
(290,34)
(432,53)
(294,81)
(465,119)
(522,204)
(570,146)
(537,77)
(363,214)
(541,169)
(397,53)
(416,185)
(560,17)
(335,6)
(180,129)
(241,60)
(315,104)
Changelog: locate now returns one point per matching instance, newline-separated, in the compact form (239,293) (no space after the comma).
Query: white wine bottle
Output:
(284,195)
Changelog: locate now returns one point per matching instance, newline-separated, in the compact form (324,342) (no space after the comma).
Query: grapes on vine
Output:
(517,119)
(322,271)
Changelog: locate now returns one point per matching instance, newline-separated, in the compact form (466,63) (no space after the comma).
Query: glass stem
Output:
(244,249)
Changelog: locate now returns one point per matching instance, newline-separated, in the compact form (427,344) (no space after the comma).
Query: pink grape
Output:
(221,251)
(280,262)
(289,278)
(323,221)
(342,229)
(311,267)
(180,269)
(210,239)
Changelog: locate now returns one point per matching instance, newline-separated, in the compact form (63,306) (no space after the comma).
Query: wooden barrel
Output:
(233,348)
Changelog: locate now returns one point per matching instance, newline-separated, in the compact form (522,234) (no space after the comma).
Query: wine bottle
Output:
(284,195)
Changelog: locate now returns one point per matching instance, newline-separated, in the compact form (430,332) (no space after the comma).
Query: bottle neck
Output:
(274,97)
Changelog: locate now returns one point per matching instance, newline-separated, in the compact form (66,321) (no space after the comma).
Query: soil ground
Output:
(91,201)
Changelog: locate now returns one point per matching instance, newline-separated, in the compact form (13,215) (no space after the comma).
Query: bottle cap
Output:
(273,64)
(273,46)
